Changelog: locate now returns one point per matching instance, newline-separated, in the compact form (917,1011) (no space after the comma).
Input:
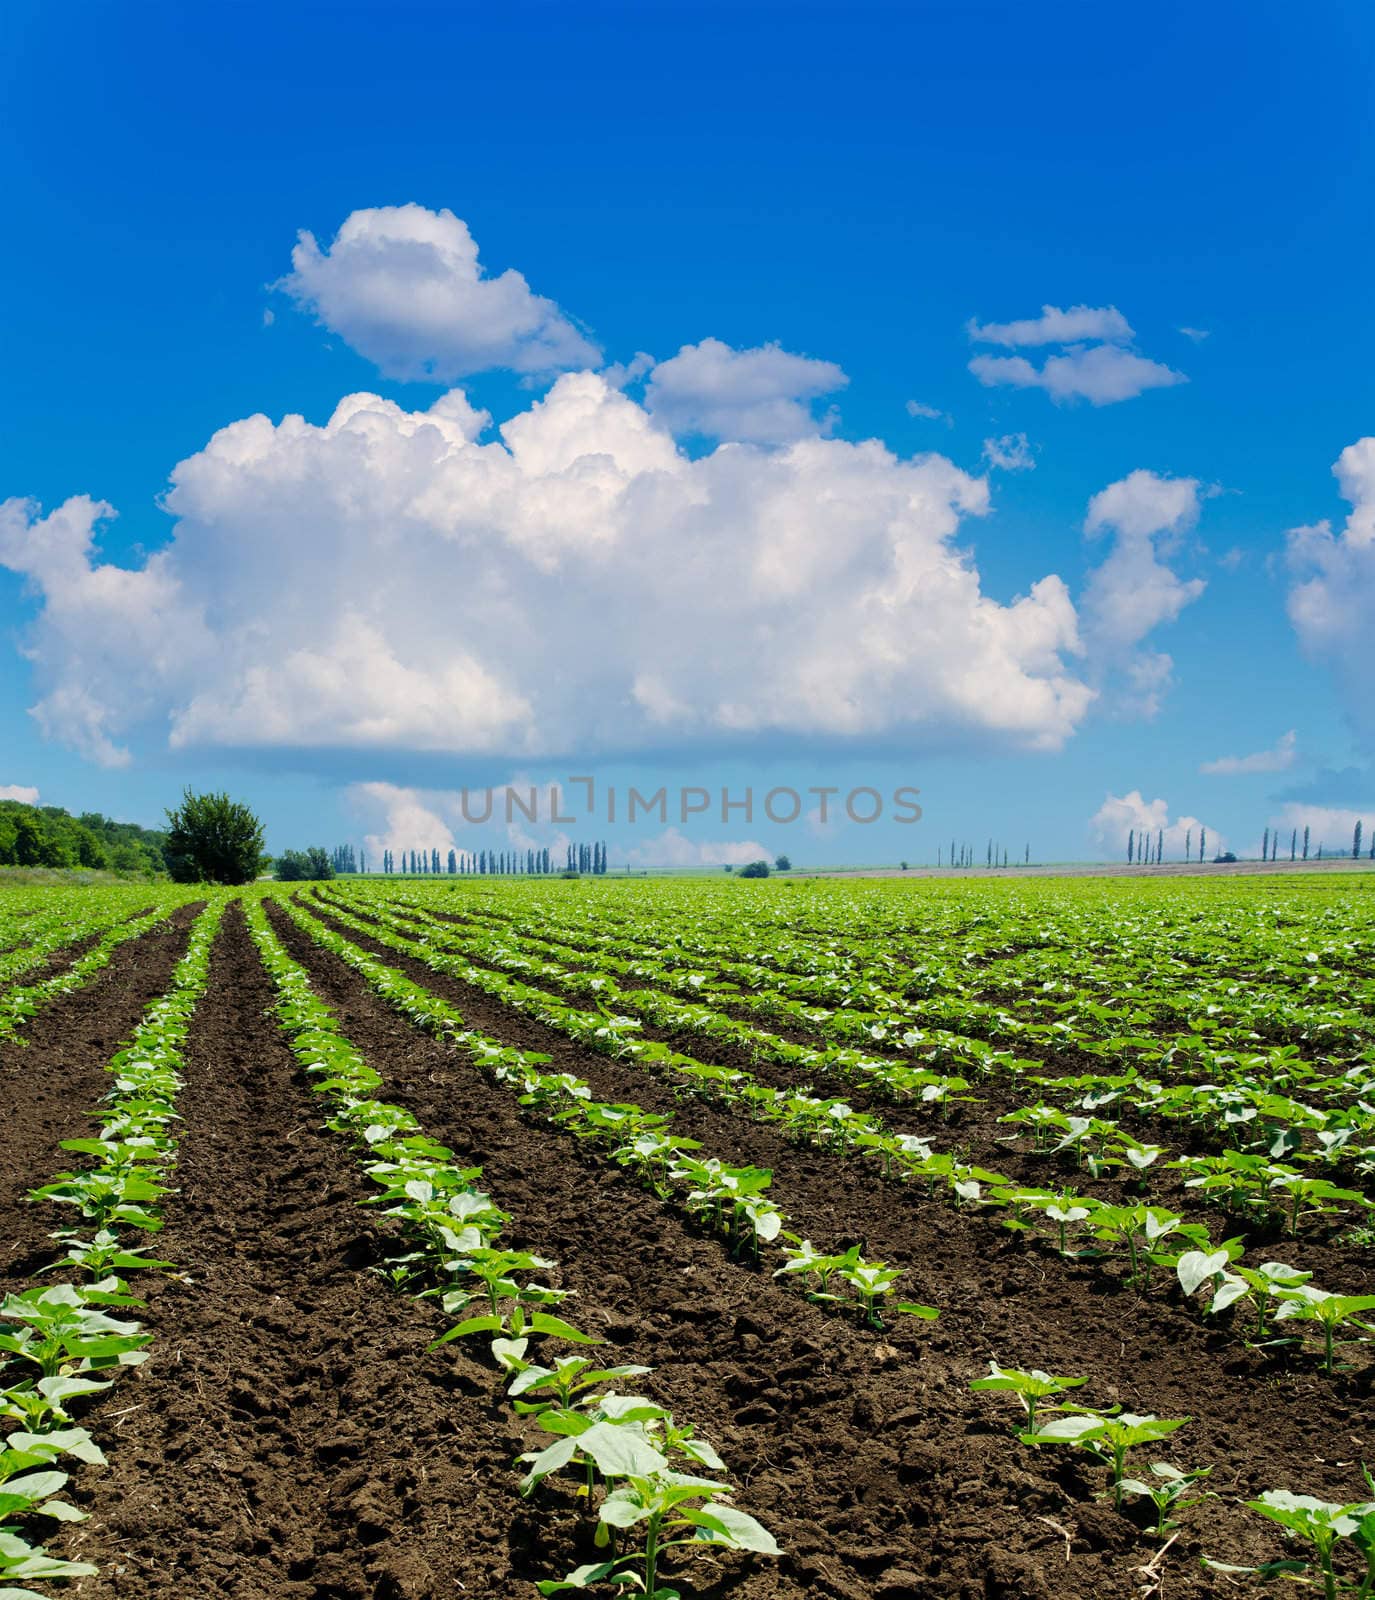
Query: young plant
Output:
(1106,1437)
(1030,1387)
(1330,1311)
(1321,1523)
(1166,1489)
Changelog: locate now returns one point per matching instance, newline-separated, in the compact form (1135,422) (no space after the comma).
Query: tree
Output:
(298,866)
(1131,844)
(782,864)
(213,839)
(754,869)
(1305,843)
(1356,842)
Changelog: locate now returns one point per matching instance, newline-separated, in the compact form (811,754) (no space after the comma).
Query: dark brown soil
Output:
(52,1076)
(882,1474)
(289,1438)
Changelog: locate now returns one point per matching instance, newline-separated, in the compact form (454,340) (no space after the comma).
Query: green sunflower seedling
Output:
(1029,1387)
(1331,1312)
(1166,1489)
(1320,1523)
(569,1376)
(1107,1437)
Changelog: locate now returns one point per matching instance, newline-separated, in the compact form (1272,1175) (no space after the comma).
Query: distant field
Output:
(805,1157)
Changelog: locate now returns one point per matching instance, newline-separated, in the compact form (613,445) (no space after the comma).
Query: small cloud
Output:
(1279,759)
(1102,374)
(404,287)
(1055,326)
(1231,559)
(674,849)
(269,316)
(1011,453)
(916,409)
(759,396)
(1198,335)
(20,792)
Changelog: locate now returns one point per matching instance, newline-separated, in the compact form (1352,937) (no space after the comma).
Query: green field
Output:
(880,1237)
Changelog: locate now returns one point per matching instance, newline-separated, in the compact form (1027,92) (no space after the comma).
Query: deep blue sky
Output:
(854,182)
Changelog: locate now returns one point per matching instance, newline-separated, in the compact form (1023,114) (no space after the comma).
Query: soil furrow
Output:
(52,1076)
(874,1442)
(289,1438)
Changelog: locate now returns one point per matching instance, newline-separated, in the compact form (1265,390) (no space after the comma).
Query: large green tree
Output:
(213,839)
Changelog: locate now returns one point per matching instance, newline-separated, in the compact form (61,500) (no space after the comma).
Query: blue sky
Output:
(851,185)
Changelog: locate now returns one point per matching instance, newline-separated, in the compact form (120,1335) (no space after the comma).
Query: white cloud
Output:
(1333,827)
(1332,601)
(916,409)
(1054,326)
(674,849)
(1124,814)
(1094,363)
(1198,335)
(1102,374)
(579,584)
(20,792)
(1279,759)
(1133,591)
(404,287)
(1011,453)
(761,396)
(398,819)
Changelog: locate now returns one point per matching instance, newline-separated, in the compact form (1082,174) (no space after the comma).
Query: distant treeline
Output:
(48,836)
(481,863)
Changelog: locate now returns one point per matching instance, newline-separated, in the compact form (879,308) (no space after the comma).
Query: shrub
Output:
(297,866)
(755,869)
(213,839)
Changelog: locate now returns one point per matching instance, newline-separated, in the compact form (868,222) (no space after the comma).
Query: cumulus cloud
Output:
(1133,591)
(761,396)
(1095,363)
(1279,759)
(577,584)
(1333,827)
(1011,453)
(404,287)
(1054,326)
(673,848)
(20,792)
(1102,374)
(1332,600)
(1120,815)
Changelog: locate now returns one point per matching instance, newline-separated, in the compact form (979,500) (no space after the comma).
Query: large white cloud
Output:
(404,287)
(19,791)
(1332,601)
(1134,591)
(387,582)
(1122,815)
(761,396)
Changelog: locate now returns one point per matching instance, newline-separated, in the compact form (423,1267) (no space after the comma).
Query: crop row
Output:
(1250,1181)
(733,1200)
(57,1338)
(1144,1237)
(21,1003)
(1273,1123)
(639,1466)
